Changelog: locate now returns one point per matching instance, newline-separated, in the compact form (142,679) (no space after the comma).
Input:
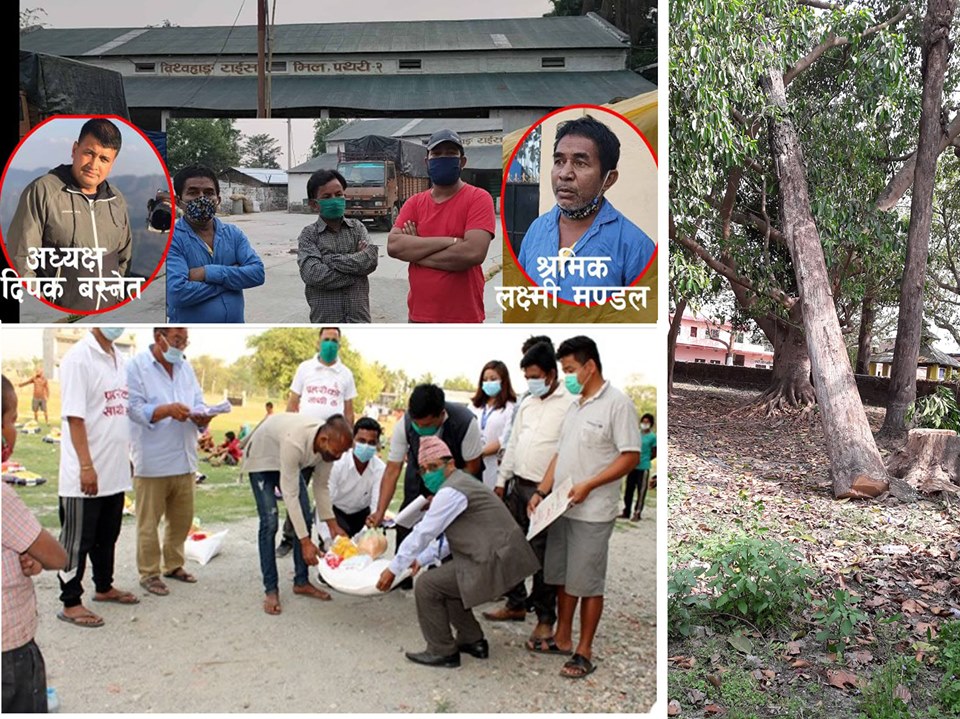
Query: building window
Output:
(714,361)
(739,360)
(739,337)
(699,361)
(144,67)
(278,66)
(409,64)
(713,334)
(553,62)
(693,332)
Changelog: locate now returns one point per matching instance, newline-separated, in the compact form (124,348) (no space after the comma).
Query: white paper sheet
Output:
(551,508)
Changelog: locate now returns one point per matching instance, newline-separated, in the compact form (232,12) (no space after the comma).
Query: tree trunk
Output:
(855,465)
(935,43)
(672,341)
(930,461)
(868,314)
(790,387)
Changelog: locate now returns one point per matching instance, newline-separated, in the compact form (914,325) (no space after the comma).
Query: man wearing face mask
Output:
(94,470)
(210,263)
(444,234)
(355,478)
(163,432)
(584,223)
(334,255)
(533,442)
(322,386)
(277,452)
(428,414)
(489,555)
(599,444)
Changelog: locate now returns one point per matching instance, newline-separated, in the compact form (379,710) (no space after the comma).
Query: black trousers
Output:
(543,597)
(638,479)
(90,527)
(24,680)
(351,523)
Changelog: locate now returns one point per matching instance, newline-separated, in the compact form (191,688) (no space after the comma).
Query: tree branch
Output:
(902,181)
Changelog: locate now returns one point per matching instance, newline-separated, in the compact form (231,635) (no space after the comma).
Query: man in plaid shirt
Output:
(27,550)
(334,255)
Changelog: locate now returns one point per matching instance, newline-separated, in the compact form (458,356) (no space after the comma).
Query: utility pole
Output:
(261,65)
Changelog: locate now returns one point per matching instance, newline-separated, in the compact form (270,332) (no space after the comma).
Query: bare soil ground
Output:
(209,647)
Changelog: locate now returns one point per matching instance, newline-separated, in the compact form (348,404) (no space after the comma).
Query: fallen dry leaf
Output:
(800,664)
(901,692)
(673,708)
(860,657)
(910,607)
(714,680)
(794,648)
(714,710)
(696,696)
(683,662)
(840,679)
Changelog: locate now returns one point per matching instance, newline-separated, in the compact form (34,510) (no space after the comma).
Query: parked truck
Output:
(382,173)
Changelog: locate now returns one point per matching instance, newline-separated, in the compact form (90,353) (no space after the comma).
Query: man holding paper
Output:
(489,556)
(599,444)
(163,433)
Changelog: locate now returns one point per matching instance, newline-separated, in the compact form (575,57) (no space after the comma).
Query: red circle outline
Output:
(503,192)
(166,172)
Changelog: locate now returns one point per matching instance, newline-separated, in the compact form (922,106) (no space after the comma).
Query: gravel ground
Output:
(209,647)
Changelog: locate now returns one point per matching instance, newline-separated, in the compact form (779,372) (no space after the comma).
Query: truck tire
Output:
(390,219)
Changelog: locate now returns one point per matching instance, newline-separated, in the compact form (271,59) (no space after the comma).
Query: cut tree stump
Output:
(929,461)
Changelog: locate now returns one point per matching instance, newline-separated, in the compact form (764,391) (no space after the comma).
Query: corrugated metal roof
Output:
(388,93)
(928,356)
(405,127)
(484,157)
(266,175)
(321,162)
(344,38)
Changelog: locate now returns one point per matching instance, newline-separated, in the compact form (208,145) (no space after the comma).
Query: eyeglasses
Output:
(180,344)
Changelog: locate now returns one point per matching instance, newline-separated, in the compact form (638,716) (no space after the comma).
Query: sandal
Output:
(181,575)
(577,667)
(120,597)
(78,620)
(155,585)
(546,645)
(271,603)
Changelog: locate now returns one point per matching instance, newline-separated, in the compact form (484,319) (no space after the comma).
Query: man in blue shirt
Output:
(210,262)
(584,241)
(163,432)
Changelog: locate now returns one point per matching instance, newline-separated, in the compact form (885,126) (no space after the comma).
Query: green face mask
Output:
(328,351)
(424,431)
(433,479)
(332,208)
(573,384)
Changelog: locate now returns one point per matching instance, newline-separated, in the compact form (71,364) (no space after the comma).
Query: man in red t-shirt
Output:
(444,234)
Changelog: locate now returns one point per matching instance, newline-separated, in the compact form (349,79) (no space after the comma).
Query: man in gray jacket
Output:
(468,522)
(71,208)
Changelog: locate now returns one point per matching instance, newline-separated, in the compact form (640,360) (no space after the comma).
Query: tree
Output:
(214,143)
(935,43)
(460,382)
(260,150)
(211,373)
(30,19)
(322,128)
(643,396)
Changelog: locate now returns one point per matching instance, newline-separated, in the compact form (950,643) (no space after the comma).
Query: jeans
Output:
(24,680)
(264,484)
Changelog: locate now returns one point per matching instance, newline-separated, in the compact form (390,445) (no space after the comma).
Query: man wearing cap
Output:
(489,556)
(444,234)
(584,223)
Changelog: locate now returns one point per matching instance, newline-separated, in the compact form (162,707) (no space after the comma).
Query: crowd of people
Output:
(484,469)
(444,234)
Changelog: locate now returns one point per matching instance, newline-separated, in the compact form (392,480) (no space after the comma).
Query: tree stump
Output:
(930,460)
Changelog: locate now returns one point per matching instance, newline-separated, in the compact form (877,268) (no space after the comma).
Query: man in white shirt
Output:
(599,444)
(163,392)
(94,470)
(322,387)
(533,442)
(355,479)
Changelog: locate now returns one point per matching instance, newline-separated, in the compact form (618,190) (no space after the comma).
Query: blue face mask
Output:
(172,354)
(433,479)
(444,170)
(364,452)
(537,387)
(111,333)
(492,388)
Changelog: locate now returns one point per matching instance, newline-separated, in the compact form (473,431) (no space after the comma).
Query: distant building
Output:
(707,342)
(516,69)
(57,341)
(932,364)
(265,188)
